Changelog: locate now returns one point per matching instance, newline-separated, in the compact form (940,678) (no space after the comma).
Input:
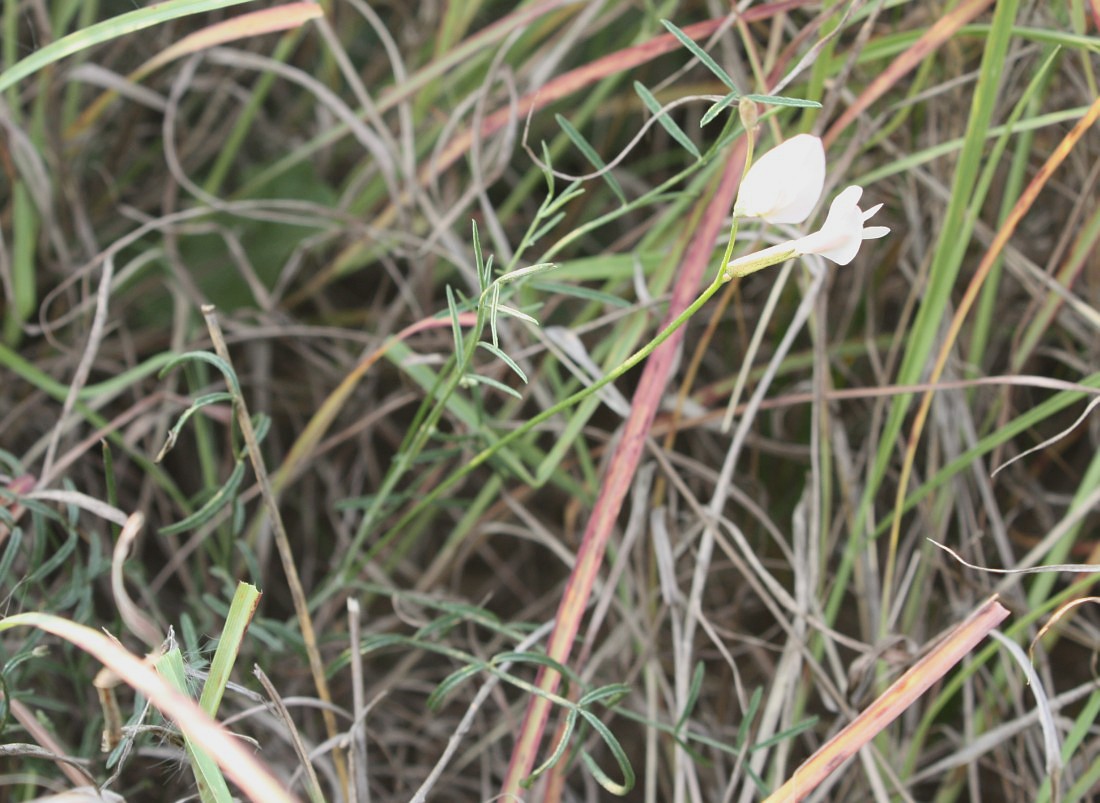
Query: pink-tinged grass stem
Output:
(710,214)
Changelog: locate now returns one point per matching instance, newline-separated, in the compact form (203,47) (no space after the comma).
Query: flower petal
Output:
(871,212)
(784,184)
(842,235)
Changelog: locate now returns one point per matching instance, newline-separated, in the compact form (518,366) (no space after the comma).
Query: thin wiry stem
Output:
(282,544)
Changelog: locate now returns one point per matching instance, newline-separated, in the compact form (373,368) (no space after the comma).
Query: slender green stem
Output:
(425,426)
(408,452)
(766,258)
(750,140)
(426,419)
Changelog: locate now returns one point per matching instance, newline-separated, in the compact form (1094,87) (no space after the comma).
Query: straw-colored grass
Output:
(411,319)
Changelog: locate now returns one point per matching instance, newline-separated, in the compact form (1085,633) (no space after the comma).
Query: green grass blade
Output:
(241,611)
(24,236)
(211,782)
(962,211)
(122,25)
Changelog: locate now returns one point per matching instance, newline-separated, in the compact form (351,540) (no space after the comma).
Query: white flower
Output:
(783,185)
(839,239)
(843,233)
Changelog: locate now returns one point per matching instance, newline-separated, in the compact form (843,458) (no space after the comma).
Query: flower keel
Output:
(838,240)
(843,233)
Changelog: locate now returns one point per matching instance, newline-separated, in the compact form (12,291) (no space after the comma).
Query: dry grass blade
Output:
(890,705)
(133,616)
(357,747)
(330,408)
(235,761)
(576,80)
(313,785)
(282,542)
(255,23)
(1063,612)
(72,769)
(1000,241)
(932,39)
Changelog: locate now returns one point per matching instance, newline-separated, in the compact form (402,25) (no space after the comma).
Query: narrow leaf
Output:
(750,715)
(559,748)
(449,684)
(717,108)
(456,325)
(666,122)
(214,504)
(574,190)
(590,154)
(530,270)
(608,695)
(196,405)
(479,261)
(693,695)
(700,54)
(515,313)
(617,752)
(484,380)
(494,305)
(500,355)
(779,100)
(207,357)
